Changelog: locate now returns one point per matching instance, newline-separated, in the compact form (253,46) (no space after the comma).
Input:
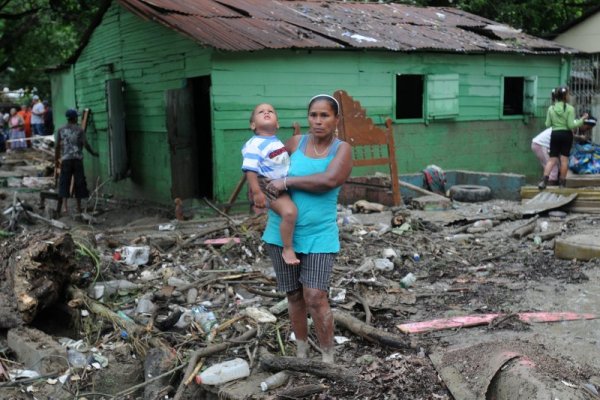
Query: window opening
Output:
(409,96)
(513,95)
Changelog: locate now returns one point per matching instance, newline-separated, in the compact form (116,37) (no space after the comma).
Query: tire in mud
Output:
(470,193)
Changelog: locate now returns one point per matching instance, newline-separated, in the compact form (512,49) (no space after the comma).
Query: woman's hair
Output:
(553,95)
(331,100)
(560,94)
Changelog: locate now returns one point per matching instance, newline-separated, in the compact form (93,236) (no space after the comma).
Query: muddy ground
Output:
(489,271)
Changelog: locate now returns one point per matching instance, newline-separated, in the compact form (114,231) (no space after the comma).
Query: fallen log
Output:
(419,189)
(36,276)
(370,333)
(314,367)
(524,230)
(299,392)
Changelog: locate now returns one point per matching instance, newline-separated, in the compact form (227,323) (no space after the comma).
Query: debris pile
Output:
(136,303)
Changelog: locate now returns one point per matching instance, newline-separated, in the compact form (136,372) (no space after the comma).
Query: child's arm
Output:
(258,197)
(548,119)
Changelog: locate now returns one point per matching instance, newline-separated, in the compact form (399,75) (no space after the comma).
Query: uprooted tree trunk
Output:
(34,278)
(370,333)
(317,368)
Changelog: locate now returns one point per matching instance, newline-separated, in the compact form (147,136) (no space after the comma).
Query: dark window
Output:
(409,96)
(513,96)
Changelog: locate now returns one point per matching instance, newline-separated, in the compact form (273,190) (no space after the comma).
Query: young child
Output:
(561,118)
(265,158)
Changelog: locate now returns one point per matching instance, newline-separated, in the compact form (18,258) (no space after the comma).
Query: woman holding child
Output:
(320,164)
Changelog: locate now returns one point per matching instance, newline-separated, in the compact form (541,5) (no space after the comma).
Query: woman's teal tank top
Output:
(316,227)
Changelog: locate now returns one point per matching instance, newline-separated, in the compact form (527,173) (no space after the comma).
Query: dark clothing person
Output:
(48,121)
(70,142)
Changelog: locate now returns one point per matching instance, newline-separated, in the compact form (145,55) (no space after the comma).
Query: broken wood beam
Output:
(299,392)
(484,319)
(370,333)
(314,367)
(524,230)
(419,189)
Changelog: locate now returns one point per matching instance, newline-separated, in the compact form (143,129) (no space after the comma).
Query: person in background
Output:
(16,130)
(583,134)
(561,118)
(48,119)
(540,145)
(320,164)
(68,156)
(25,114)
(37,116)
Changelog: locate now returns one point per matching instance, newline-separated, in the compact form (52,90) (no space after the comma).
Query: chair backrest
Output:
(371,145)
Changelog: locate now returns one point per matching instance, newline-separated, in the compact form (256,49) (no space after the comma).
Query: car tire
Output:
(470,193)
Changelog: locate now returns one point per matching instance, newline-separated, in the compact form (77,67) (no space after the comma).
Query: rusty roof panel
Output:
(200,8)
(247,25)
(247,34)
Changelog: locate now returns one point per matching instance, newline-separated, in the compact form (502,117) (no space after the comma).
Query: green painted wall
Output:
(63,97)
(151,59)
(479,139)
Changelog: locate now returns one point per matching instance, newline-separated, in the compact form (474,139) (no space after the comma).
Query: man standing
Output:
(37,116)
(48,119)
(70,142)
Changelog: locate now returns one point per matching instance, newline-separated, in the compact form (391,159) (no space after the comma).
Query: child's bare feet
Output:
(289,256)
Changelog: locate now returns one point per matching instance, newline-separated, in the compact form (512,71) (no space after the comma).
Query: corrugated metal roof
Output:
(246,25)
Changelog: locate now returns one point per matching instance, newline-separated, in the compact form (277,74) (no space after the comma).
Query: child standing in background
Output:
(561,118)
(266,158)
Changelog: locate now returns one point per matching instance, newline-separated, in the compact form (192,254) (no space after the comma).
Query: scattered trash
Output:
(408,280)
(222,241)
(224,372)
(260,315)
(205,318)
(135,255)
(166,227)
(274,381)
(383,264)
(389,253)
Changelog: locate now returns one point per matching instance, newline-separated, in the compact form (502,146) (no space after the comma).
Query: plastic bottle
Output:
(408,280)
(274,381)
(224,372)
(484,223)
(383,264)
(77,359)
(416,257)
(205,318)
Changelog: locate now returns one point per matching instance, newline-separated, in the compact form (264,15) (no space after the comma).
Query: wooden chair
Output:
(371,145)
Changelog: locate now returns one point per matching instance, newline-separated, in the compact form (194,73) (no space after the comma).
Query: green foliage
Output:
(38,34)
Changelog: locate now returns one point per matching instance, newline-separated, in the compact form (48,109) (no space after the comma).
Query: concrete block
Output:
(431,203)
(581,247)
(37,350)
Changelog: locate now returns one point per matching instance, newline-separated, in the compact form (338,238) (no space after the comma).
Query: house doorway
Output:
(189,130)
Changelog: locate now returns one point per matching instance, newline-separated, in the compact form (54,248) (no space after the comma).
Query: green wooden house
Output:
(171,84)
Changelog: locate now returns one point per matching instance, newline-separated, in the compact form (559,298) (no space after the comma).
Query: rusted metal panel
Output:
(249,25)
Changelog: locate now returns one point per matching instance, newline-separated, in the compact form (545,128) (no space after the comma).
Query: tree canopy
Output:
(37,34)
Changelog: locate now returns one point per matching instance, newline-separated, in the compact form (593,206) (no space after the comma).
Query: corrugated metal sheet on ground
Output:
(545,201)
(247,25)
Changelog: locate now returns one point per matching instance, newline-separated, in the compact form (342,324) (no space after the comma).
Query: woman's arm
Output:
(337,172)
